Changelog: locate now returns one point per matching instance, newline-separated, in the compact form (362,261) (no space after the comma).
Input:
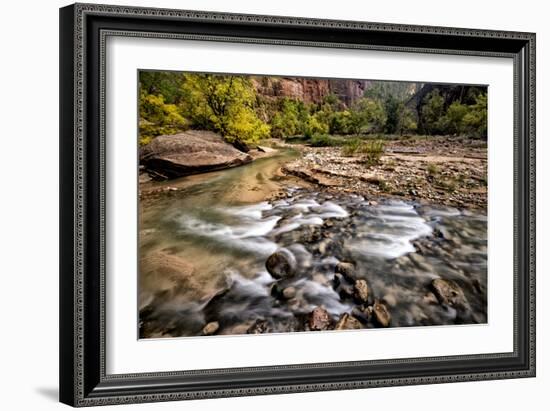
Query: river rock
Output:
(211,328)
(281,264)
(324,246)
(390,300)
(430,298)
(347,270)
(361,290)
(289,293)
(319,319)
(259,327)
(241,145)
(310,234)
(449,293)
(348,322)
(190,152)
(381,314)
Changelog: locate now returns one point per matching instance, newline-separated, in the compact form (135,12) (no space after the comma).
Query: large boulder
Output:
(190,152)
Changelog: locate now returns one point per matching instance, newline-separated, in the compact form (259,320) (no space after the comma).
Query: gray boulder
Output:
(190,152)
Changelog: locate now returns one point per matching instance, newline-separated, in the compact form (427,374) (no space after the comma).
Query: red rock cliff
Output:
(310,90)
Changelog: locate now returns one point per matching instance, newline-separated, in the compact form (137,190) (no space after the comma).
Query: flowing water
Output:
(204,246)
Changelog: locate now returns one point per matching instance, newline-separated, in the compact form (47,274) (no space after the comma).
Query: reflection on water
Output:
(203,251)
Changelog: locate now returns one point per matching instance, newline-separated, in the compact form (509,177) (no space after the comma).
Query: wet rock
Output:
(369,311)
(361,291)
(420,261)
(348,322)
(478,287)
(311,234)
(449,293)
(281,264)
(360,314)
(347,269)
(241,145)
(390,300)
(259,327)
(319,319)
(382,316)
(211,328)
(289,293)
(324,246)
(320,278)
(430,298)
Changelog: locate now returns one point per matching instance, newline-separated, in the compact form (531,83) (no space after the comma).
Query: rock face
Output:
(310,90)
(190,152)
(281,264)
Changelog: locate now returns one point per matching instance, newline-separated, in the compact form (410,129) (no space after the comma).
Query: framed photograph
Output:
(261,204)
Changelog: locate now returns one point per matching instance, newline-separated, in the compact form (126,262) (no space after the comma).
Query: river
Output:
(204,244)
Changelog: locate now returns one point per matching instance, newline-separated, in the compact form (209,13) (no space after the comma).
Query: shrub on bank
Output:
(371,151)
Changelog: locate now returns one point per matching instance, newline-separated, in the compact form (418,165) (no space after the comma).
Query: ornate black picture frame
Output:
(83,30)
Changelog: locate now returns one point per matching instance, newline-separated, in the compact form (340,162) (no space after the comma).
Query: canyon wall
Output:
(311,90)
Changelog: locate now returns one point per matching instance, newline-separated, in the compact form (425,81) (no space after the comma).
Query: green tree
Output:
(340,122)
(432,111)
(315,125)
(158,118)
(165,83)
(407,121)
(224,104)
(475,120)
(453,120)
(286,120)
(370,115)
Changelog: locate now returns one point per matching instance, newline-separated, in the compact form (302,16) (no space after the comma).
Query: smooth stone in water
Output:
(289,293)
(430,298)
(449,293)
(281,264)
(319,319)
(390,300)
(348,322)
(211,328)
(259,327)
(346,269)
(361,290)
(381,314)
